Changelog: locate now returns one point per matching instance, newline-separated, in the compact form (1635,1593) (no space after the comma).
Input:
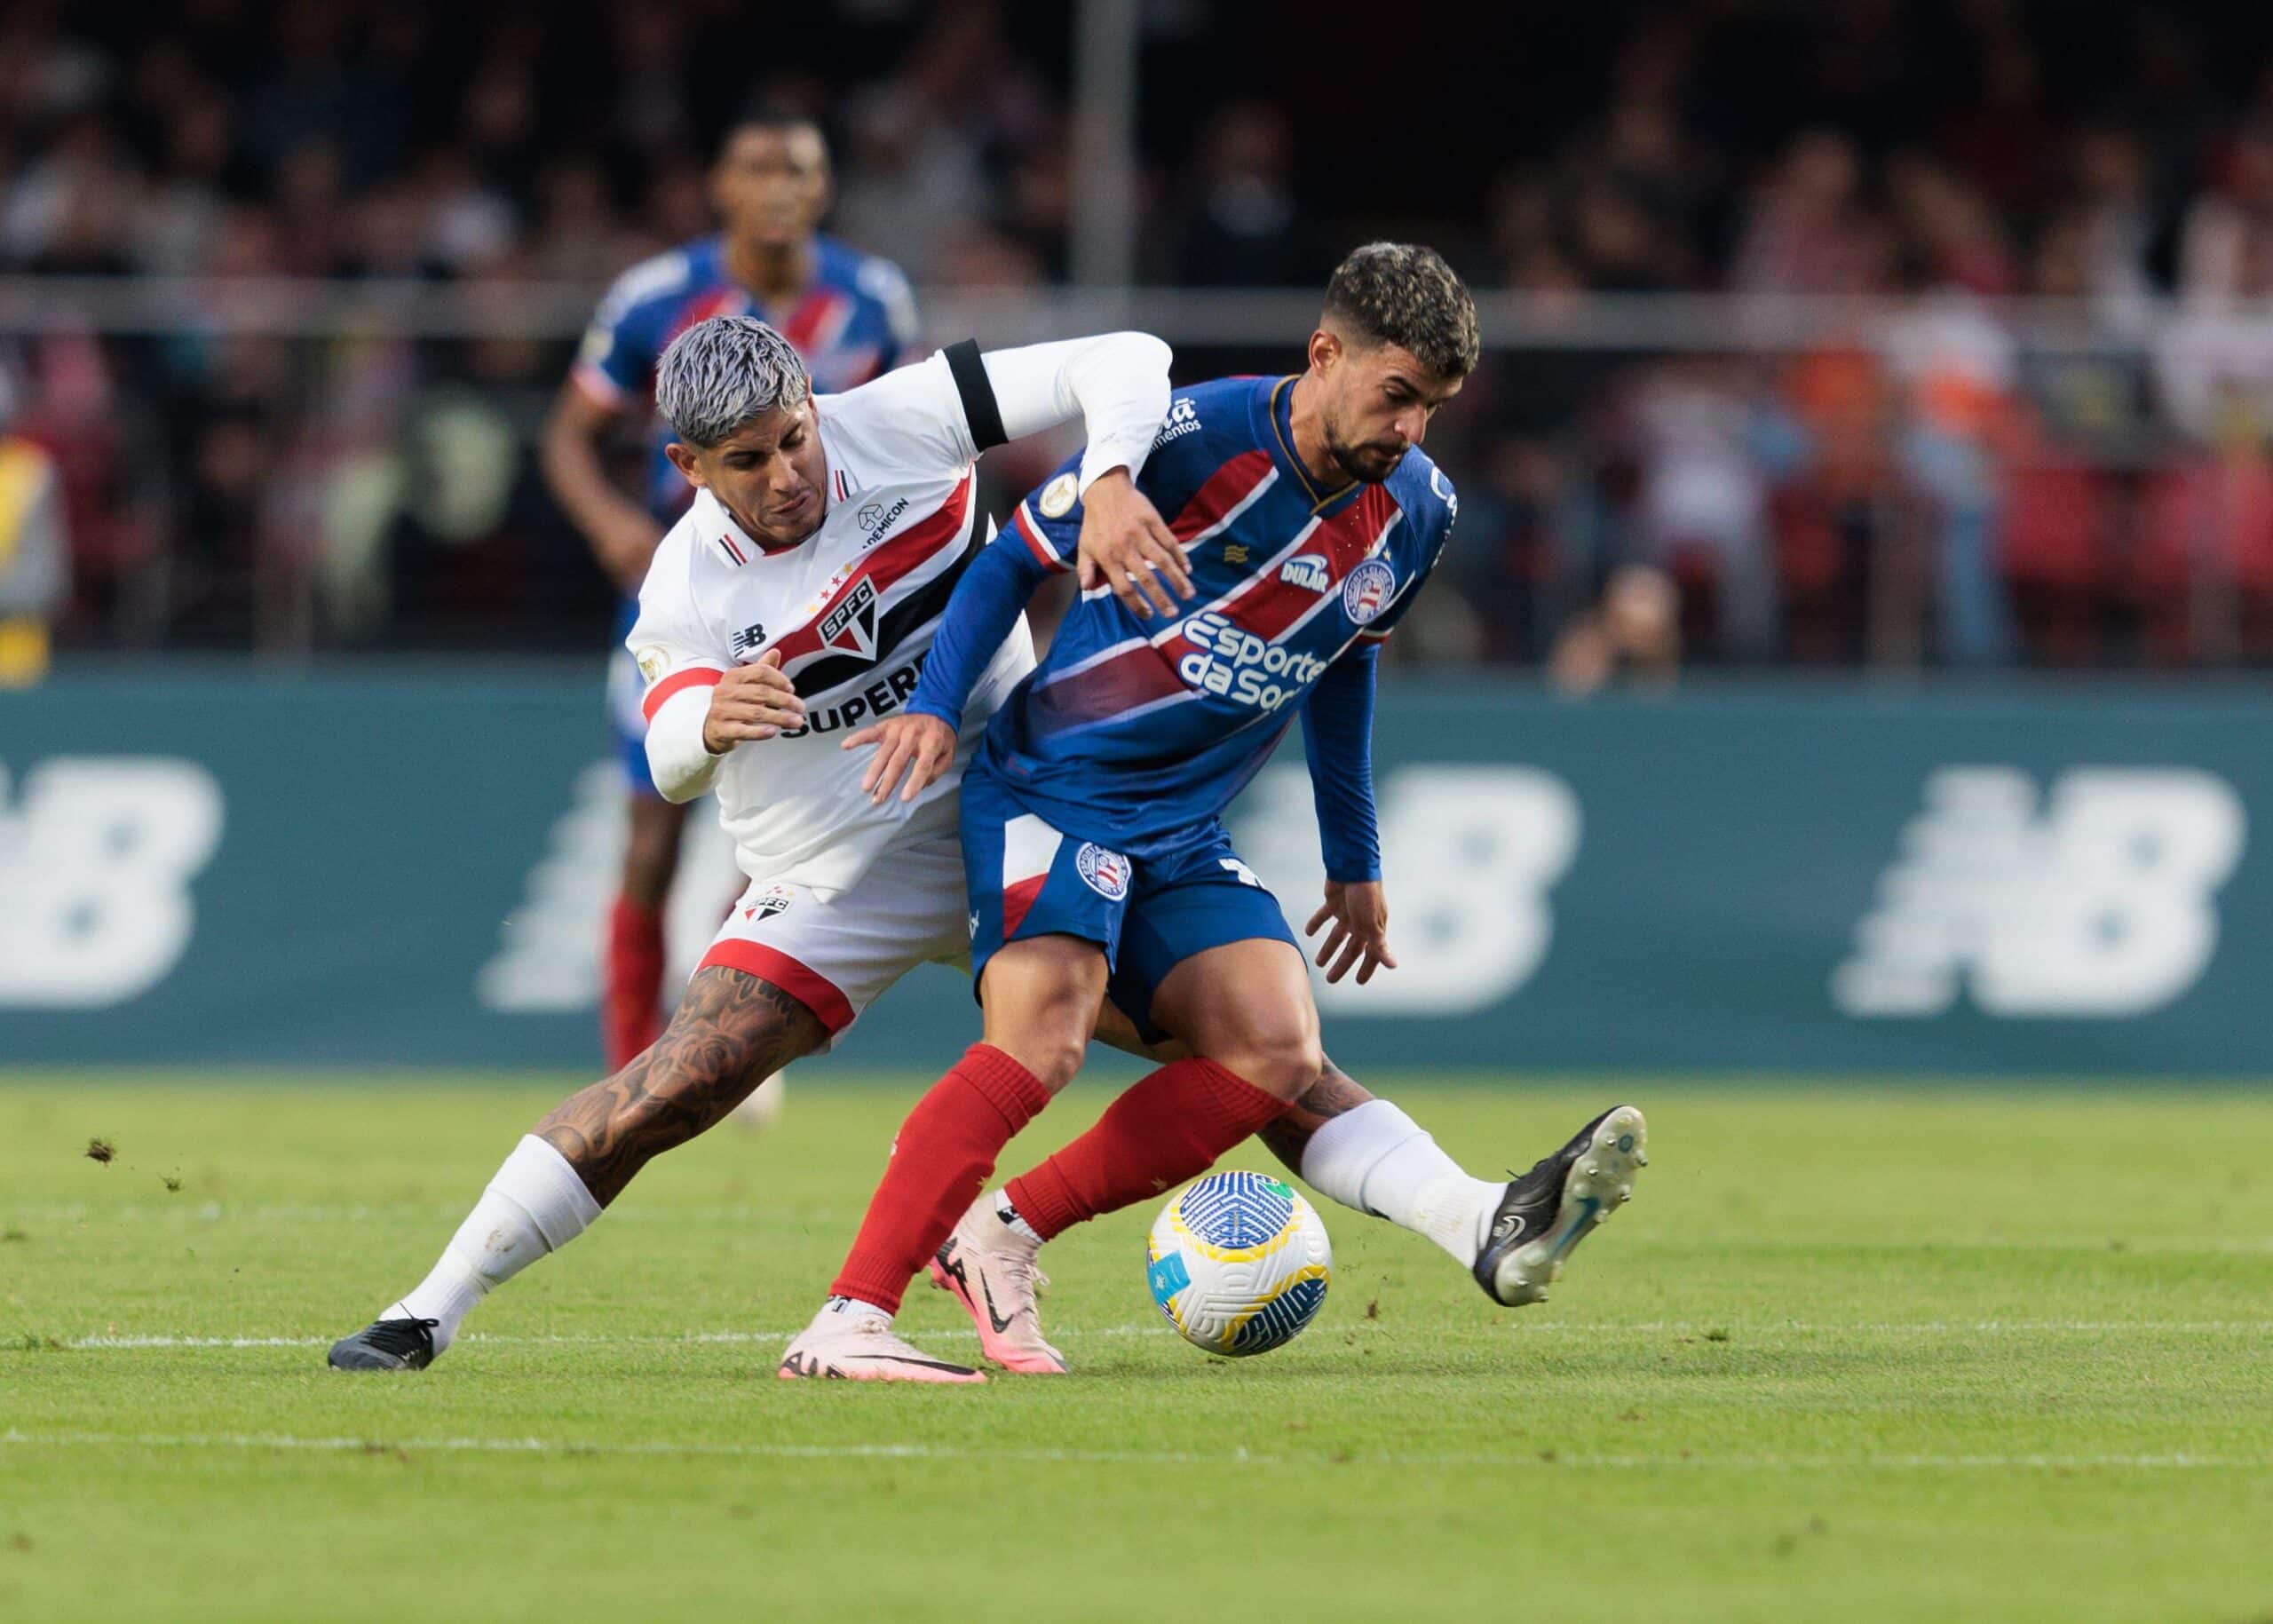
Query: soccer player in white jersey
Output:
(795,599)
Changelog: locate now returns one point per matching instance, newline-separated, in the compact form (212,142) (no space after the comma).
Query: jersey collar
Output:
(711,515)
(1277,433)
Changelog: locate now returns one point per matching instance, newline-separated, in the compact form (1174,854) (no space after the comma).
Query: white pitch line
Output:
(680,1339)
(1738,1333)
(1536,1460)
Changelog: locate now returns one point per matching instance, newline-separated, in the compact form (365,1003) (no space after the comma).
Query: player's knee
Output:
(1041,1006)
(1280,1056)
(1050,1041)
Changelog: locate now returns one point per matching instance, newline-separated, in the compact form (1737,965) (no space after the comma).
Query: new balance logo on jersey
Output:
(850,627)
(748,639)
(2100,903)
(1308,572)
(1183,419)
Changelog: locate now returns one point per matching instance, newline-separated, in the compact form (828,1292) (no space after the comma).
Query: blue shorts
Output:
(1026,878)
(625,688)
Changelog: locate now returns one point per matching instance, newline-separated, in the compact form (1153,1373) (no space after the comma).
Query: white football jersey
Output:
(852,610)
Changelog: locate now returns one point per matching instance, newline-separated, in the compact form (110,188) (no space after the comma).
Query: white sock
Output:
(1011,1219)
(1380,1160)
(534,1204)
(855,1308)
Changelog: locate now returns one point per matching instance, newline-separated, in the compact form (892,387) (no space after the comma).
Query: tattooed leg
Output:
(731,1033)
(1332,1094)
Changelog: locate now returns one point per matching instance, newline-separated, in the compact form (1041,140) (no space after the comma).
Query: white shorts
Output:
(835,957)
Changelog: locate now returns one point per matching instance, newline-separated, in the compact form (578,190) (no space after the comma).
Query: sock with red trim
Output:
(946,1150)
(631,1014)
(1170,1127)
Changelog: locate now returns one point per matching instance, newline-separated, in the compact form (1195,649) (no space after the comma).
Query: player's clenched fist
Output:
(923,747)
(1125,546)
(1359,912)
(751,702)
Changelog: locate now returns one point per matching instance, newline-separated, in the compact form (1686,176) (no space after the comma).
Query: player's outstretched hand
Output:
(1359,913)
(751,702)
(1125,546)
(921,746)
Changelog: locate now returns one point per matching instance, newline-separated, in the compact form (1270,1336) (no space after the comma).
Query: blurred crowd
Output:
(2034,428)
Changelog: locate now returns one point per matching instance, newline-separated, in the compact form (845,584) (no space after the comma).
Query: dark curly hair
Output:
(1402,294)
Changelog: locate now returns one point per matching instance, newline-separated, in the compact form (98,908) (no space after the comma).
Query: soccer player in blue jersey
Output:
(1305,518)
(848,315)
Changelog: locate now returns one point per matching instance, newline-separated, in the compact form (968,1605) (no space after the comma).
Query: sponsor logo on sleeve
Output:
(1183,419)
(1105,872)
(1368,589)
(651,663)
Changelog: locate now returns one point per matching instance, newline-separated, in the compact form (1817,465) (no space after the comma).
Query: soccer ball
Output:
(1238,1263)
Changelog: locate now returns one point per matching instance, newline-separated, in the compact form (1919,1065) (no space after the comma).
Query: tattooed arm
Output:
(731,1032)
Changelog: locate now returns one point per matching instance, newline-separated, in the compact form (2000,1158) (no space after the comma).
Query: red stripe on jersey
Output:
(1264,604)
(1225,490)
(1138,675)
(694,676)
(1267,606)
(808,986)
(816,311)
(1036,545)
(887,564)
(717,302)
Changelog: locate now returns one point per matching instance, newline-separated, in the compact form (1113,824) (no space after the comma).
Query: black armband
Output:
(976,393)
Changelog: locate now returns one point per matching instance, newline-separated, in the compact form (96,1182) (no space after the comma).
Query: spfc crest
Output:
(850,627)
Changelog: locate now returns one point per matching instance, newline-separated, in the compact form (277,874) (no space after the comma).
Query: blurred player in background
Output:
(849,316)
(1100,873)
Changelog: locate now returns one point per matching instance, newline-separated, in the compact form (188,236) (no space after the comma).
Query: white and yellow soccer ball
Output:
(1238,1263)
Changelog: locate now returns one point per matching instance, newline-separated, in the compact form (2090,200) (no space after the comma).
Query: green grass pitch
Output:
(1853,1353)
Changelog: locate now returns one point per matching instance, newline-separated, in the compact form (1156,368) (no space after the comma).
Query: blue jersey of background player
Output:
(849,316)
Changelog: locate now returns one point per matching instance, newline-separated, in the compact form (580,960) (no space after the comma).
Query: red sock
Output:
(1170,1127)
(630,1013)
(940,1163)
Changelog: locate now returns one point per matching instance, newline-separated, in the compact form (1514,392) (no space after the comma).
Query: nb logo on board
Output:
(2100,902)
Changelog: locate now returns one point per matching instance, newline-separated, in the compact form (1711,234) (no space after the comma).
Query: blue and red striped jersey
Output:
(851,324)
(1131,732)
